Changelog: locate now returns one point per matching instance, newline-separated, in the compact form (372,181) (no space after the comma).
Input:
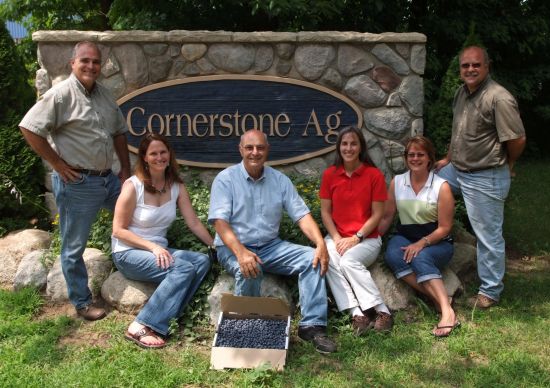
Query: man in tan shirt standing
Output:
(86,127)
(487,138)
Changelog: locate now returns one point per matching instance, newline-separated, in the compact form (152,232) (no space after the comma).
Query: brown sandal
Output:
(145,332)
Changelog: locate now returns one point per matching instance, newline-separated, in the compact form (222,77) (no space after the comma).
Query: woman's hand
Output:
(345,243)
(412,250)
(163,258)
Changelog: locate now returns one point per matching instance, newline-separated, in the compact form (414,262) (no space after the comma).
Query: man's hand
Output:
(320,256)
(248,262)
(43,149)
(65,171)
(441,163)
(123,174)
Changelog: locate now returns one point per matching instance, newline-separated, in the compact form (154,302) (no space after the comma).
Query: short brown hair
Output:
(424,143)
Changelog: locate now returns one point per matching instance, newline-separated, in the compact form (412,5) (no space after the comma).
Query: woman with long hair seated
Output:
(422,246)
(144,211)
(352,194)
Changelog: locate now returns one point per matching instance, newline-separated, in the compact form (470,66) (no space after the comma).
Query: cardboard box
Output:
(243,307)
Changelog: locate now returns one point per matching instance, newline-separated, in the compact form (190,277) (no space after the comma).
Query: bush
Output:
(439,116)
(21,170)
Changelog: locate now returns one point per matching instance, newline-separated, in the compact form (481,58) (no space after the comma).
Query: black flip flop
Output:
(452,327)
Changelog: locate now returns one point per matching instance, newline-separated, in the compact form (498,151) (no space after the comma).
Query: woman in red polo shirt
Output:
(353,193)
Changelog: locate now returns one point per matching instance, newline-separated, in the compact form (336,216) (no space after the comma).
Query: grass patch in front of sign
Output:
(505,346)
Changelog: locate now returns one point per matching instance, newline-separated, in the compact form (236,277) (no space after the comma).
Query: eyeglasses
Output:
(415,155)
(476,65)
(259,148)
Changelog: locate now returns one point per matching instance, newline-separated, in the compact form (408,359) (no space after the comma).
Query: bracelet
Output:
(427,241)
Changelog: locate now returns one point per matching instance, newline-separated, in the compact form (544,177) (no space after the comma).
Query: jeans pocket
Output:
(78,181)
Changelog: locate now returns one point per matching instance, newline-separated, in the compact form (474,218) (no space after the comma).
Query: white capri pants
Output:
(348,277)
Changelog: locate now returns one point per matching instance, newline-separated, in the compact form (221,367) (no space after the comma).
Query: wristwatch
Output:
(360,236)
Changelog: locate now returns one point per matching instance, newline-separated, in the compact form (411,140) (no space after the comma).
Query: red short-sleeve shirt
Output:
(352,197)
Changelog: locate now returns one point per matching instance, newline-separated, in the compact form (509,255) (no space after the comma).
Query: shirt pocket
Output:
(110,120)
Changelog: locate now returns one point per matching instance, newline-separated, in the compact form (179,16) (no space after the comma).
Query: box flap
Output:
(246,358)
(254,305)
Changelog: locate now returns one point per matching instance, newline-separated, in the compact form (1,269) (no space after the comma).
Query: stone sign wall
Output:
(381,73)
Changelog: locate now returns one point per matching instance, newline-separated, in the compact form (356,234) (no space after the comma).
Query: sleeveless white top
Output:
(417,212)
(148,221)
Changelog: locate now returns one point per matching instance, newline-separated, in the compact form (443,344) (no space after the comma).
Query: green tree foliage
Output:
(258,15)
(54,15)
(21,172)
(516,34)
(58,14)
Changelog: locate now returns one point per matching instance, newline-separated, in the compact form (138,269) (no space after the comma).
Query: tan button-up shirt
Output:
(482,122)
(81,124)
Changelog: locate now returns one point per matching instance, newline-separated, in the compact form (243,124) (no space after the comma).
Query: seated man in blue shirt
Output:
(246,206)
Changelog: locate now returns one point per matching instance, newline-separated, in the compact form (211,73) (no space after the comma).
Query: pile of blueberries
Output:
(252,333)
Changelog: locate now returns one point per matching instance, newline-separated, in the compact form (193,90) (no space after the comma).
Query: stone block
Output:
(99,267)
(126,295)
(311,61)
(15,246)
(31,271)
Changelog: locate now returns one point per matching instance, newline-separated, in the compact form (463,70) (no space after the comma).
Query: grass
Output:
(527,210)
(506,346)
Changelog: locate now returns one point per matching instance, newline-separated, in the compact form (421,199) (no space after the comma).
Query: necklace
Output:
(160,191)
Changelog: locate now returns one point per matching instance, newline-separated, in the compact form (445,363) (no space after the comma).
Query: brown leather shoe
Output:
(91,313)
(361,324)
(481,302)
(383,323)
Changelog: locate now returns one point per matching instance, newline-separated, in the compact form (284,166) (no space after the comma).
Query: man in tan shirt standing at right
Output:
(487,138)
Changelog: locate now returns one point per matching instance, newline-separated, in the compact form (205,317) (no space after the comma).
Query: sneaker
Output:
(481,302)
(383,322)
(91,313)
(317,335)
(361,324)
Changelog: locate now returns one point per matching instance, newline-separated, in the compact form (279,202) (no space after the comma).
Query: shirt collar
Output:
(247,176)
(81,87)
(407,180)
(481,86)
(359,171)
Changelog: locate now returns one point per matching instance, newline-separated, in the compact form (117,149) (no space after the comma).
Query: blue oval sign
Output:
(204,117)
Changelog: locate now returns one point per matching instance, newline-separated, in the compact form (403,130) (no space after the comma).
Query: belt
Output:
(94,172)
(471,170)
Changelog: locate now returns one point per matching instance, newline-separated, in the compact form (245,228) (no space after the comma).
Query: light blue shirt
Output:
(254,208)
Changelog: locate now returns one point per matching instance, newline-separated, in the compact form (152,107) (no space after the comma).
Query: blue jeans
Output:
(426,265)
(283,258)
(176,284)
(78,204)
(484,194)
